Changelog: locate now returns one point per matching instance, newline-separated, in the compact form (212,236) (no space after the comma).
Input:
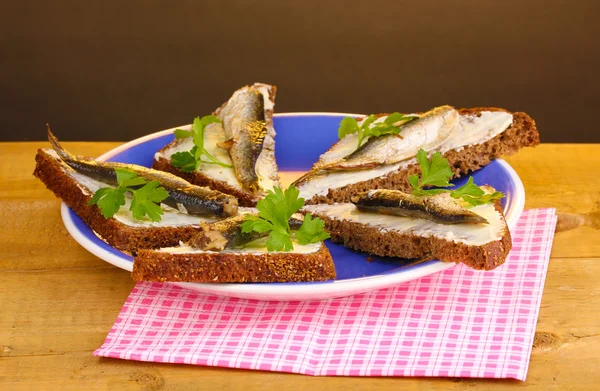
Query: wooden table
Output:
(58,302)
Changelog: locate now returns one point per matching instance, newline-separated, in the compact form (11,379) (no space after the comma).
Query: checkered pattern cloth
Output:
(458,322)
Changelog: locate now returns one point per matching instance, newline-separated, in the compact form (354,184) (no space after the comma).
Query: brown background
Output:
(115,70)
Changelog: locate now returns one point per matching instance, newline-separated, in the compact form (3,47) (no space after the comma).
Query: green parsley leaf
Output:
(133,182)
(127,178)
(293,202)
(279,241)
(347,126)
(398,119)
(368,128)
(393,118)
(469,189)
(277,207)
(437,172)
(423,160)
(475,195)
(182,133)
(414,181)
(367,122)
(265,206)
(153,192)
(190,161)
(124,174)
(311,231)
(185,161)
(145,201)
(484,199)
(380,129)
(198,129)
(109,200)
(274,212)
(434,172)
(209,119)
(256,224)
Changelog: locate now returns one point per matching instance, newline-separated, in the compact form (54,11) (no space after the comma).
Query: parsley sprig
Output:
(434,172)
(145,200)
(437,172)
(274,212)
(474,195)
(391,125)
(189,161)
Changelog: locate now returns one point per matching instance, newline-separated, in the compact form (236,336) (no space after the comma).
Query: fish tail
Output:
(313,172)
(64,155)
(303,178)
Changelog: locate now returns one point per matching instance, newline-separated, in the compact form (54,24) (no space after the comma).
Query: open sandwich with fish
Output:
(432,220)
(271,243)
(379,151)
(129,206)
(392,223)
(232,151)
(182,232)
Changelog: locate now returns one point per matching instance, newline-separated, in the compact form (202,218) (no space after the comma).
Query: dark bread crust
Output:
(522,133)
(198,178)
(227,267)
(119,235)
(373,240)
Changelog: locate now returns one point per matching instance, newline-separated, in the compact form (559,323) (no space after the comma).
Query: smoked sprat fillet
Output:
(440,208)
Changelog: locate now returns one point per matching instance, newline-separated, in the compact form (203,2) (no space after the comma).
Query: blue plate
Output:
(301,139)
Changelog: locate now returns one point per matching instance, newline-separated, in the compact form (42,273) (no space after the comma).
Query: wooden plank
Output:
(53,320)
(80,370)
(549,370)
(560,176)
(34,236)
(55,311)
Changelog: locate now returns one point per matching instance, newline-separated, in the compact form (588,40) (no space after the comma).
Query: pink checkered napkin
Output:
(458,322)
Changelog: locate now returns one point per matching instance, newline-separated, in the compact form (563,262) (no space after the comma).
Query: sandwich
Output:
(269,244)
(252,264)
(391,223)
(237,155)
(182,232)
(379,151)
(130,207)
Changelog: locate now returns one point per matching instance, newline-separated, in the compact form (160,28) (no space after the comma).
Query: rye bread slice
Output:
(403,244)
(116,233)
(230,267)
(522,133)
(199,178)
